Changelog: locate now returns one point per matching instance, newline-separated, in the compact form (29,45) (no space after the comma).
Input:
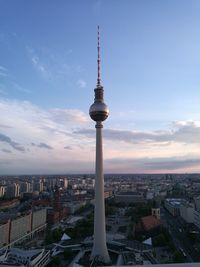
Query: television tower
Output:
(99,112)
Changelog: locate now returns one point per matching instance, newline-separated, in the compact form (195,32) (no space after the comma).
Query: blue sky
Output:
(150,64)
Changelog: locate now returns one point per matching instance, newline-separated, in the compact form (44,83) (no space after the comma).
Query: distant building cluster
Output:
(18,189)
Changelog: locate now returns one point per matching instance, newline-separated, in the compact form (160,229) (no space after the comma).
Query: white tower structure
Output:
(99,112)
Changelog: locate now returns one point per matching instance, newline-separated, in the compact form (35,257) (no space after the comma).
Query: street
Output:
(179,236)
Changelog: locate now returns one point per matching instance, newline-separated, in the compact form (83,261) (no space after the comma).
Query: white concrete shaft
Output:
(99,246)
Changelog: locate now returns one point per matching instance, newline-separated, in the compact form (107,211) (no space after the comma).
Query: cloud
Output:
(20,88)
(172,164)
(36,130)
(2,90)
(3,74)
(153,164)
(5,126)
(64,115)
(133,137)
(40,66)
(81,83)
(54,68)
(2,68)
(6,150)
(187,132)
(6,139)
(69,51)
(97,6)
(79,69)
(10,83)
(24,115)
(5,162)
(68,147)
(43,145)
(38,63)
(3,71)
(27,125)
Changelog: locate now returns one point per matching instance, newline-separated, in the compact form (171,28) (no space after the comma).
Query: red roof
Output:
(150,222)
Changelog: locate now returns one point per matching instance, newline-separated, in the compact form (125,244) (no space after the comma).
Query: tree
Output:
(178,257)
(55,261)
(53,236)
(159,240)
(109,210)
(68,254)
(57,234)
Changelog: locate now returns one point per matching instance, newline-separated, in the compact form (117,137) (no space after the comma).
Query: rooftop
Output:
(150,222)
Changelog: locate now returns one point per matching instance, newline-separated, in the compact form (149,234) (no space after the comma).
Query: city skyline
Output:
(150,62)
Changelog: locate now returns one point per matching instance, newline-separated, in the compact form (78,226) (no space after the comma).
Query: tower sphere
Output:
(99,111)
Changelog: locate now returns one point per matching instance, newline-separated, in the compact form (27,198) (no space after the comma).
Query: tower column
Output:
(99,246)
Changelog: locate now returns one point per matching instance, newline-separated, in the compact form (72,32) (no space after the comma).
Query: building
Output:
(4,233)
(108,193)
(58,212)
(173,205)
(150,223)
(150,195)
(2,191)
(25,187)
(56,199)
(130,197)
(13,190)
(156,212)
(19,257)
(72,207)
(20,227)
(23,227)
(197,203)
(197,218)
(53,216)
(38,186)
(187,212)
(39,218)
(9,204)
(64,183)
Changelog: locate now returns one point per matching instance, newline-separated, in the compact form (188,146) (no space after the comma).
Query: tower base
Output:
(103,257)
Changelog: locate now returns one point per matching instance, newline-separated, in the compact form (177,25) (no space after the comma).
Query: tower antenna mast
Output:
(98,60)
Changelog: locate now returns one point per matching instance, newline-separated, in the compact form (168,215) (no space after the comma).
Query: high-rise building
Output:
(2,191)
(64,183)
(25,187)
(99,112)
(38,186)
(13,190)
